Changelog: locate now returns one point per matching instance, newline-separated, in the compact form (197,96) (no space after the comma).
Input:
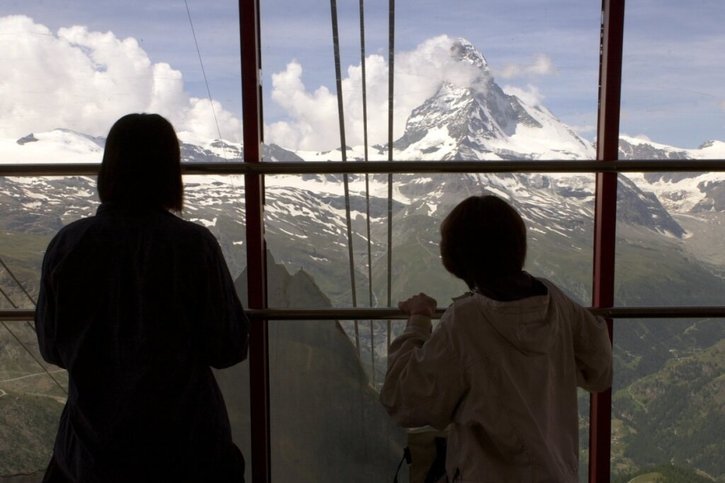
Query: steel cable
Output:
(343,151)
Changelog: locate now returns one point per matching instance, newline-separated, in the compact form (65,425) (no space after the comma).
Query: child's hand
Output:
(419,304)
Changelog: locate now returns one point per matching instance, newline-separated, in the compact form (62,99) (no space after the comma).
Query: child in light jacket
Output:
(502,367)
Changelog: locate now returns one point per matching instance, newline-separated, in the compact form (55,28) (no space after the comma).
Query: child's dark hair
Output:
(483,239)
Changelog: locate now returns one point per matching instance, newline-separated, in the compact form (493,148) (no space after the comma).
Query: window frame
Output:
(606,166)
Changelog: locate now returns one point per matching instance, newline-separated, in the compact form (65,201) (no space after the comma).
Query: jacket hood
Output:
(524,323)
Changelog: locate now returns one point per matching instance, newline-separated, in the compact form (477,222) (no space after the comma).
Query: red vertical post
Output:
(256,250)
(605,219)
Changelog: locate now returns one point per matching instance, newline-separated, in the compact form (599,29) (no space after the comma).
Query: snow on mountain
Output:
(480,121)
(57,146)
(196,149)
(475,120)
(710,150)
(681,192)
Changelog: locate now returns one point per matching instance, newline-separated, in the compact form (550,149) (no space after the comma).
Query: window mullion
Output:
(605,219)
(256,250)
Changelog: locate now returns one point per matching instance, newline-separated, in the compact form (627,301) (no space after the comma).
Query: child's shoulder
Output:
(464,300)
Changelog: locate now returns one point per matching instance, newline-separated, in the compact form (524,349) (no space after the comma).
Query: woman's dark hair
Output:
(142,164)
(483,239)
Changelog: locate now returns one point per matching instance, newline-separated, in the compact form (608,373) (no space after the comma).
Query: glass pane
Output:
(672,78)
(32,395)
(667,413)
(307,237)
(667,400)
(327,422)
(34,209)
(514,89)
(73,68)
(217,202)
(306,231)
(309,266)
(667,249)
(669,232)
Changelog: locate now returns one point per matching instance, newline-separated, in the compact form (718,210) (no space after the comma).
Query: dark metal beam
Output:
(256,250)
(385,167)
(605,220)
(291,314)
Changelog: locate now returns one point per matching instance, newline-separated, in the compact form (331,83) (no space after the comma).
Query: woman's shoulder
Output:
(189,231)
(189,226)
(71,232)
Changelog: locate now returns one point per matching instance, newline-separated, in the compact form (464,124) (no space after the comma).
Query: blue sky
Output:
(673,80)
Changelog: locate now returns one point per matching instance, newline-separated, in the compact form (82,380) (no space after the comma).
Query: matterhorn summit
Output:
(471,117)
(464,51)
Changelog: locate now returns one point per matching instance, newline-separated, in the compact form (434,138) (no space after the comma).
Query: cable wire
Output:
(37,361)
(343,150)
(391,85)
(17,282)
(7,297)
(22,288)
(32,327)
(203,72)
(367,184)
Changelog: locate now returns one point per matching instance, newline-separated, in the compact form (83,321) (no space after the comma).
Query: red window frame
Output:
(604,226)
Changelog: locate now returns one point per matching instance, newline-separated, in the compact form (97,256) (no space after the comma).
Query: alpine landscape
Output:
(669,393)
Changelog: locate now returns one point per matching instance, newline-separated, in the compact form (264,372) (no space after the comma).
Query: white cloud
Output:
(83,80)
(541,65)
(530,94)
(313,119)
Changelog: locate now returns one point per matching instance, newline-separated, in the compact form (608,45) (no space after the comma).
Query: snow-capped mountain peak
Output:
(464,51)
(478,120)
(461,120)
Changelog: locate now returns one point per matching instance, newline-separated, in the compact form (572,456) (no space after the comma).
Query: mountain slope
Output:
(670,416)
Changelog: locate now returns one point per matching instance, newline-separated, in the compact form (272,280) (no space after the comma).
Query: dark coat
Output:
(137,304)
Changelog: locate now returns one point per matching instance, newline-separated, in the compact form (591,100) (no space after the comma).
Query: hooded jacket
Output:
(503,375)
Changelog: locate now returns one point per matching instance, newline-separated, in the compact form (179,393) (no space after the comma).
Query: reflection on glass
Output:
(327,423)
(234,384)
(667,399)
(32,395)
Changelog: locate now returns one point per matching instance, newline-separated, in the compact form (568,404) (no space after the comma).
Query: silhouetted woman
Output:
(138,304)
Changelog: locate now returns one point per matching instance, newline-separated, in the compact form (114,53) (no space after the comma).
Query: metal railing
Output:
(694,312)
(386,167)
